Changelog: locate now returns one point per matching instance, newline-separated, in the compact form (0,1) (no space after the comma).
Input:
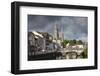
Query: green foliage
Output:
(65,42)
(79,42)
(85,53)
(71,42)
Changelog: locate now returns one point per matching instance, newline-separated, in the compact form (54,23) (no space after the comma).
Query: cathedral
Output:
(58,36)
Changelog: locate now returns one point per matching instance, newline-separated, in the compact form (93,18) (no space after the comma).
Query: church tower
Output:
(56,32)
(61,36)
(58,36)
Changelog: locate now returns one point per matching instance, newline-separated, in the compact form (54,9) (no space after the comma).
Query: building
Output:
(74,51)
(58,36)
(41,46)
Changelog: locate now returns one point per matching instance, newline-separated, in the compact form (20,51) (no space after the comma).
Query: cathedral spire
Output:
(56,32)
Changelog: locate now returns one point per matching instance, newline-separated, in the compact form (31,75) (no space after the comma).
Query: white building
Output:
(74,50)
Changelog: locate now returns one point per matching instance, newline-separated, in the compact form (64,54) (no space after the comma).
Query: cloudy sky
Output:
(73,27)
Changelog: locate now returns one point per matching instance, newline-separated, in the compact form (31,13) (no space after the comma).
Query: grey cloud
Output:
(73,27)
(39,22)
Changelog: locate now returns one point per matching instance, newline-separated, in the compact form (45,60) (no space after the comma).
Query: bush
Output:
(85,53)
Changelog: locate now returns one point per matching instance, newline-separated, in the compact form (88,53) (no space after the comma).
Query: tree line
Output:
(72,42)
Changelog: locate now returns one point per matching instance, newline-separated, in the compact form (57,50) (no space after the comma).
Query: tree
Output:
(79,42)
(72,42)
(65,42)
(85,53)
